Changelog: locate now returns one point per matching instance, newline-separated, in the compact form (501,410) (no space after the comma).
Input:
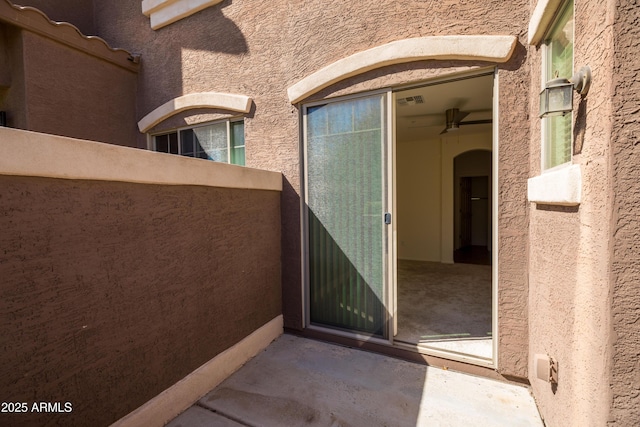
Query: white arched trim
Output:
(165,12)
(225,101)
(473,48)
(541,18)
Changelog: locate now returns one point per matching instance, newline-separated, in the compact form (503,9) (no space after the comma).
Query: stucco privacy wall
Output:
(261,48)
(113,291)
(625,268)
(570,247)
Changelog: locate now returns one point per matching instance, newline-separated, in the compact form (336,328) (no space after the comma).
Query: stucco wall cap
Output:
(150,6)
(474,48)
(225,101)
(541,18)
(560,187)
(26,153)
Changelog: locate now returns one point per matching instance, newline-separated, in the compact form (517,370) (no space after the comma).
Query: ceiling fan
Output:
(454,120)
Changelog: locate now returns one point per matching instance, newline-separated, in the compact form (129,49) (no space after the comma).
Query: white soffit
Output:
(225,101)
(541,18)
(561,187)
(165,12)
(471,48)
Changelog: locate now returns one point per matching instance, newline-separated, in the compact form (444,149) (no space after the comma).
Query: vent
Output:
(411,100)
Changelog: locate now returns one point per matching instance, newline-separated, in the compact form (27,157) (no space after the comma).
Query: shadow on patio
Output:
(297,381)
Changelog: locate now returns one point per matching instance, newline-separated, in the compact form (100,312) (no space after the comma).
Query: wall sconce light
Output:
(557,97)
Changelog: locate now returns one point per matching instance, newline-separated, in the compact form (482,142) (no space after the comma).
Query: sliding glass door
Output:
(345,201)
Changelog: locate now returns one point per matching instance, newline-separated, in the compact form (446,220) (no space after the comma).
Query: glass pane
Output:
(317,121)
(345,208)
(162,143)
(560,46)
(186,142)
(558,150)
(173,143)
(559,64)
(212,140)
(237,156)
(237,143)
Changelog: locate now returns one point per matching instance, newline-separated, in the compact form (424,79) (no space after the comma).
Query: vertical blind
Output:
(344,159)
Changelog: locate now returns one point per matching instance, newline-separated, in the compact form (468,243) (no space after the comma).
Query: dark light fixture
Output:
(557,96)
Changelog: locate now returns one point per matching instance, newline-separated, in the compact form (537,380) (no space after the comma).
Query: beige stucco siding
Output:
(569,250)
(78,94)
(625,243)
(262,48)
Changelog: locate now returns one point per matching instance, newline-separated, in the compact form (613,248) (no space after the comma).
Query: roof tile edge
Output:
(34,20)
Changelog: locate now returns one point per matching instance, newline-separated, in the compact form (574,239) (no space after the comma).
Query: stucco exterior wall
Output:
(77,94)
(77,12)
(106,309)
(111,292)
(12,94)
(569,298)
(625,221)
(236,47)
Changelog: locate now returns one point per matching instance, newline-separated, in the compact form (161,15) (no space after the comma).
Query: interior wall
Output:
(423,200)
(418,199)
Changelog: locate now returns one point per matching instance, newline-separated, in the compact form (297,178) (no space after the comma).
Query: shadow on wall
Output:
(210,30)
(580,126)
(178,59)
(291,250)
(344,280)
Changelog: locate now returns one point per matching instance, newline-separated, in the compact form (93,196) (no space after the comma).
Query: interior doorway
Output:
(472,208)
(444,190)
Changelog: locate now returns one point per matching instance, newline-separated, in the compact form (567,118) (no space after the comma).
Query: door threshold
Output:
(430,350)
(441,359)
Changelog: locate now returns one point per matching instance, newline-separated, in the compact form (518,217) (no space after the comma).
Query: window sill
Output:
(559,187)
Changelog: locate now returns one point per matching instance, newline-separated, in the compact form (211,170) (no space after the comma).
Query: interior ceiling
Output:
(427,120)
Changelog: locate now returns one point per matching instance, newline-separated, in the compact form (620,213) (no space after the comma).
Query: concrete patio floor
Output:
(298,381)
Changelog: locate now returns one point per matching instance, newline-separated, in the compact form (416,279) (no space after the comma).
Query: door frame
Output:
(391,232)
(388,271)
